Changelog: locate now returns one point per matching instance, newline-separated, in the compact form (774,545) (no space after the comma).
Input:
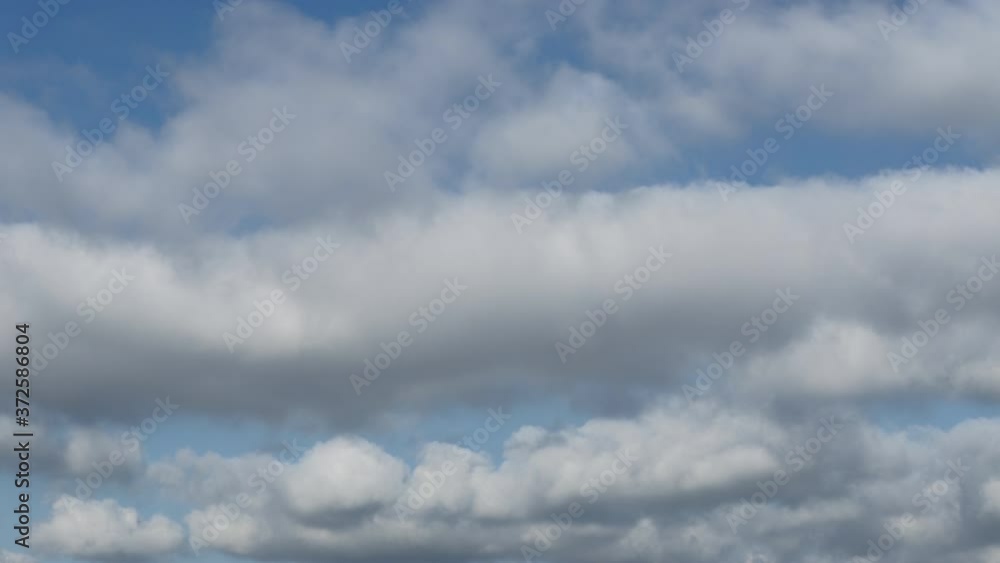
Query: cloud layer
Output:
(754,360)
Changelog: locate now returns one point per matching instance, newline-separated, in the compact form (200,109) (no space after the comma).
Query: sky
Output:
(481,282)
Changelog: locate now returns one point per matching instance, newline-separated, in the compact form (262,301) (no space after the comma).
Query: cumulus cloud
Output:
(104,530)
(693,483)
(342,475)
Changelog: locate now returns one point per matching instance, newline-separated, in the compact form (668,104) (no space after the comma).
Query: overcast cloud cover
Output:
(483,282)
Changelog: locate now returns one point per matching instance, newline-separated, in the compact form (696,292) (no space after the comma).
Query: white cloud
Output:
(858,301)
(701,460)
(343,475)
(104,530)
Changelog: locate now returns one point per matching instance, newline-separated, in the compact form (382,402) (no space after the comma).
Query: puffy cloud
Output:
(104,530)
(695,483)
(343,475)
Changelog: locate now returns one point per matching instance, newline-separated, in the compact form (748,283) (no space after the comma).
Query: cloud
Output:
(88,450)
(9,557)
(134,181)
(738,73)
(783,305)
(857,300)
(693,483)
(104,530)
(991,498)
